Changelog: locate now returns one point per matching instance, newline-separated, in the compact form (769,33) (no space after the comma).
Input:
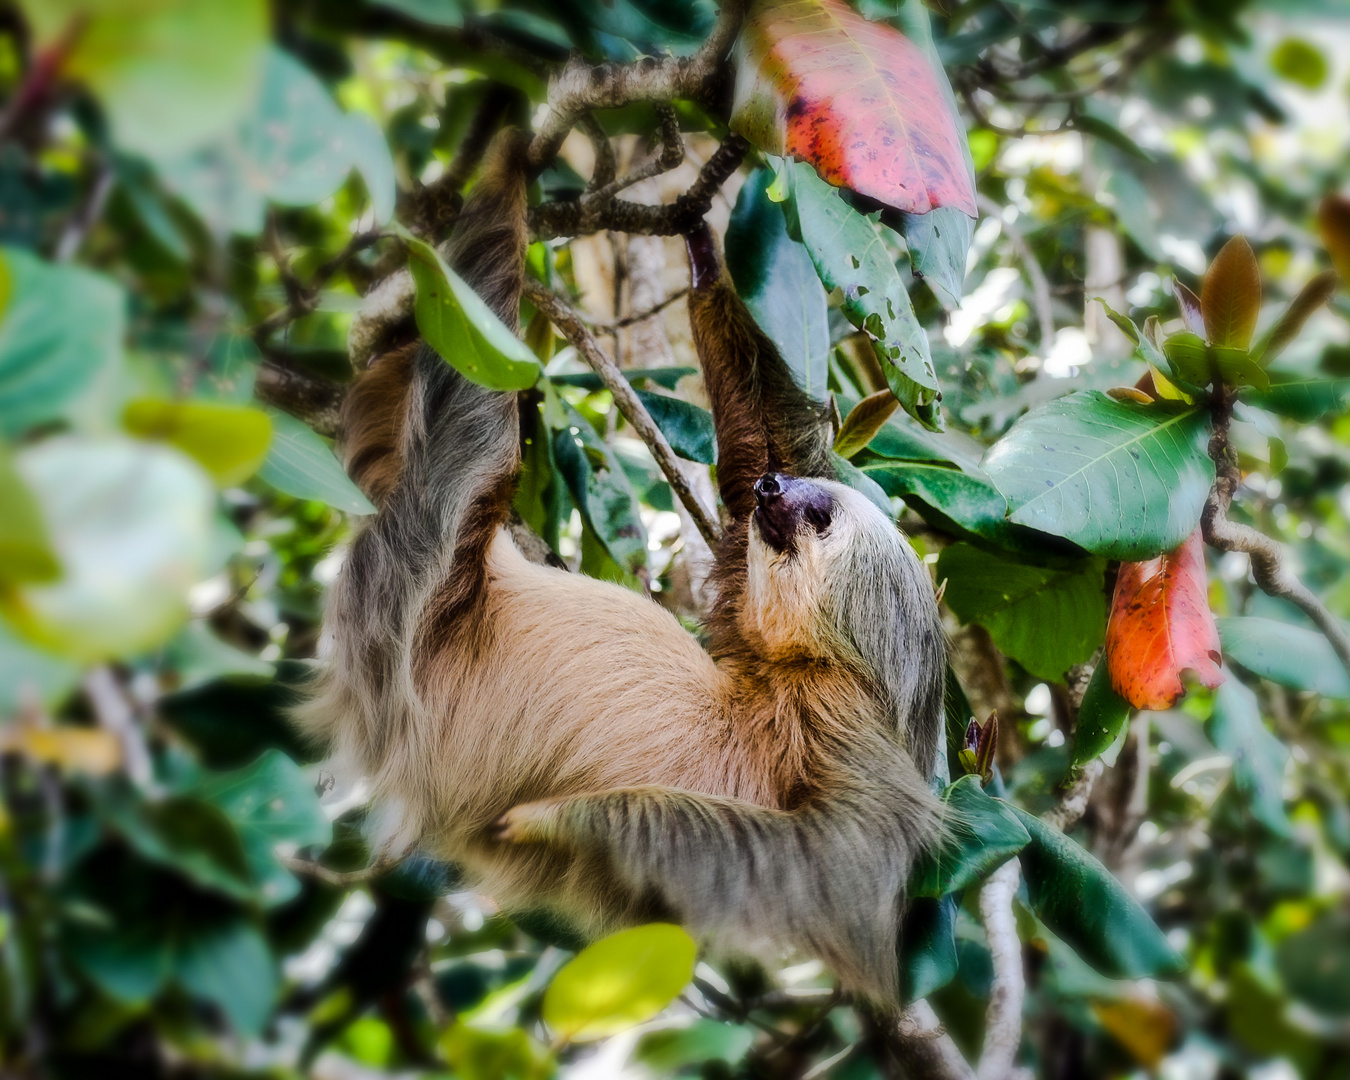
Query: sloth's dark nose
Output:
(767,488)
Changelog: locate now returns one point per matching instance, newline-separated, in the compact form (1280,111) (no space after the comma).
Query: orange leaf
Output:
(1230,297)
(1333,221)
(1160,626)
(858,100)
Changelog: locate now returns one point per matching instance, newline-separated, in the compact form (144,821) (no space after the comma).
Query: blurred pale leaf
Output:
(133,526)
(172,74)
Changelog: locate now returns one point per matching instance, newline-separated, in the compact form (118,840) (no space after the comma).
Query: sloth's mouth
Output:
(783,503)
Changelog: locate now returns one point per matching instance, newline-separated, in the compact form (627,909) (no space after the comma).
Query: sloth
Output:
(565,740)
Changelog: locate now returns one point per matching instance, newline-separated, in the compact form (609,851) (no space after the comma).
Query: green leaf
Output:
(1123,323)
(133,525)
(171,76)
(129,963)
(928,959)
(854,477)
(601,490)
(1102,716)
(476,1054)
(189,837)
(1078,899)
(849,254)
(773,275)
(1125,481)
(619,981)
(1109,134)
(1289,655)
(300,463)
(198,656)
(431,12)
(1300,398)
(467,333)
(61,327)
(957,501)
(1046,618)
(1194,362)
(1259,758)
(669,1050)
(981,835)
(294,147)
(1315,963)
(688,428)
(938,244)
(228,441)
(25,547)
(227,962)
(271,804)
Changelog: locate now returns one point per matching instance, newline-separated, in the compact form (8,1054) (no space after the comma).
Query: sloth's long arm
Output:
(764,420)
(828,877)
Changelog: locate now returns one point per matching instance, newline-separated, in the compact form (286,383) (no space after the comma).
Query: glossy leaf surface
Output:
(1292,656)
(1124,481)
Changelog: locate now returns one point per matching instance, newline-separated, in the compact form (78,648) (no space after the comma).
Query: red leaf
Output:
(858,100)
(1160,626)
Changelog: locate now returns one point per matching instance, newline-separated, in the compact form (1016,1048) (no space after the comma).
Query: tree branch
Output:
(581,87)
(919,1044)
(600,210)
(629,404)
(316,401)
(1003,1025)
(1266,554)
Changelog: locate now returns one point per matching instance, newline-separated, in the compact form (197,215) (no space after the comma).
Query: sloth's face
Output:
(815,547)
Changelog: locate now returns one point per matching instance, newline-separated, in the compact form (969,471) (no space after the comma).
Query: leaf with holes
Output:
(1123,480)
(1230,296)
(849,255)
(858,100)
(1045,618)
(1161,626)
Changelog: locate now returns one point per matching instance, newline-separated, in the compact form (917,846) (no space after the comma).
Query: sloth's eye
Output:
(818,517)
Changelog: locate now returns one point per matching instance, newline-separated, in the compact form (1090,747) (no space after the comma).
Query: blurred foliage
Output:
(194,196)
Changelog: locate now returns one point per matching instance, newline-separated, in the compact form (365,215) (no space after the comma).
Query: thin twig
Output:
(88,214)
(1266,554)
(340,878)
(1040,287)
(607,326)
(629,404)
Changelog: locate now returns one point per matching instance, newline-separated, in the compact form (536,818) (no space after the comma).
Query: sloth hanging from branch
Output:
(566,741)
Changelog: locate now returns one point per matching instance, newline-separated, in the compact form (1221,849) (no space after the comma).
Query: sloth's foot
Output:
(530,822)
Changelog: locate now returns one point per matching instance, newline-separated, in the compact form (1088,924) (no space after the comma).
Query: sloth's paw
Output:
(529,822)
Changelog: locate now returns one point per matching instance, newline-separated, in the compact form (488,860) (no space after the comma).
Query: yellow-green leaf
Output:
(863,422)
(229,441)
(619,981)
(1230,298)
(25,548)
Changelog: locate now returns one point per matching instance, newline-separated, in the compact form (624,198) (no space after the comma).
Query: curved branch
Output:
(581,87)
(567,321)
(1266,554)
(315,401)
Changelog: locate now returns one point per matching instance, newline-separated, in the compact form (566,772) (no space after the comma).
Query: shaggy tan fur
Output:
(566,740)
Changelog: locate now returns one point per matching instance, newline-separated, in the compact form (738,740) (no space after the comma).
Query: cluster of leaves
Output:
(193,206)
